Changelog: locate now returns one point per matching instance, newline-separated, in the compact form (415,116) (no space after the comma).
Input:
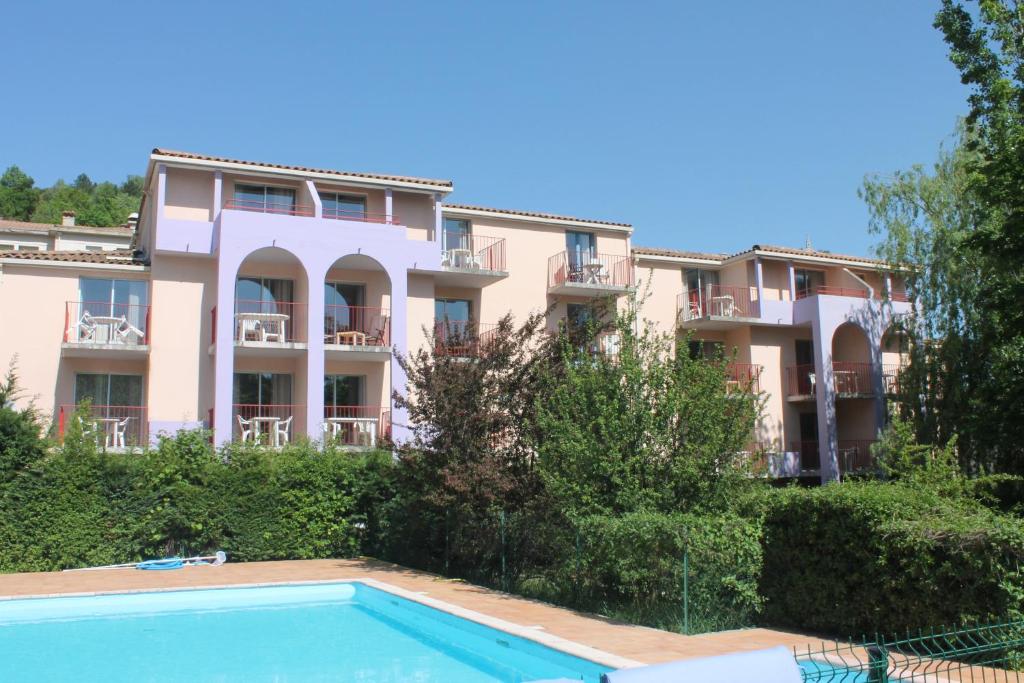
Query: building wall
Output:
(189,195)
(659,285)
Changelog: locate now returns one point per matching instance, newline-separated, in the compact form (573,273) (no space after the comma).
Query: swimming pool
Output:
(326,632)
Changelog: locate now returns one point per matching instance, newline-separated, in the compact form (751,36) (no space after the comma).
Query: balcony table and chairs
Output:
(261,326)
(276,429)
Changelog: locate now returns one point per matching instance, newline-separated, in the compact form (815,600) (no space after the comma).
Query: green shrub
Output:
(1004,492)
(882,557)
(631,567)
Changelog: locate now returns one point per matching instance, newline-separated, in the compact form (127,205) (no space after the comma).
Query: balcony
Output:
(800,382)
(118,428)
(360,216)
(357,332)
(743,377)
(852,380)
(591,275)
(810,458)
(277,208)
(272,425)
(269,327)
(100,329)
(462,338)
(357,426)
(717,307)
(891,378)
(855,456)
(832,291)
(472,260)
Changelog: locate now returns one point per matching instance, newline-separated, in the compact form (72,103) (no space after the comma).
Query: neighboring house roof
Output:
(412,180)
(9,226)
(122,257)
(534,214)
(674,253)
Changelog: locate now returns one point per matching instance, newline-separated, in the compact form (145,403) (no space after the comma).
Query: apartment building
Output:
(267,302)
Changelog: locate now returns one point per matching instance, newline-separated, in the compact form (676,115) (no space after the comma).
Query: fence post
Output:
(577,576)
(504,579)
(878,664)
(686,588)
(447,518)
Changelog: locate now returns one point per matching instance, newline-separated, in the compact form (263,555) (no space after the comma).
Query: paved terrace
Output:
(632,642)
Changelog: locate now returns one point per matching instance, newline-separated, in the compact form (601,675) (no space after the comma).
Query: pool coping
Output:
(535,634)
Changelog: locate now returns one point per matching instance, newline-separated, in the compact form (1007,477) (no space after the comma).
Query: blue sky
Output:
(709,126)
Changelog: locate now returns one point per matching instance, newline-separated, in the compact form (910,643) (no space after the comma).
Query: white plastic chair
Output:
(282,430)
(272,330)
(245,426)
(86,328)
(126,333)
(365,433)
(118,432)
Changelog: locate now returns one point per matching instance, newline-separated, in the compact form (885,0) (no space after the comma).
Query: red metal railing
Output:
(832,291)
(590,269)
(744,375)
(810,458)
(357,325)
(275,322)
(102,322)
(899,296)
(855,455)
(800,380)
(357,425)
(462,338)
(852,378)
(266,424)
(283,208)
(111,426)
(362,216)
(473,252)
(718,301)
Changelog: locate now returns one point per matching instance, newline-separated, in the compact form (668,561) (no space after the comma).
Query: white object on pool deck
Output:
(215,560)
(775,665)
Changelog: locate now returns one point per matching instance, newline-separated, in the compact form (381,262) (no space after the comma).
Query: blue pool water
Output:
(285,634)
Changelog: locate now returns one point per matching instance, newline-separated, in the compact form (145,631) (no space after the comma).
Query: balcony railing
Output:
(269,322)
(810,458)
(260,206)
(900,296)
(473,252)
(462,338)
(101,322)
(891,377)
(718,301)
(357,325)
(855,455)
(744,376)
(832,291)
(362,216)
(113,427)
(357,425)
(852,378)
(266,424)
(800,380)
(594,270)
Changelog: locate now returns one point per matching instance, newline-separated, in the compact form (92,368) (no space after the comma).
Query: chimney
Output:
(67,218)
(133,220)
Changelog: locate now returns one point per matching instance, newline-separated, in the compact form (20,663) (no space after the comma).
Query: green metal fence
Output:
(991,652)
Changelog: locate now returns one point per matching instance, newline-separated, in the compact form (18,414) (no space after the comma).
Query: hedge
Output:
(73,509)
(882,557)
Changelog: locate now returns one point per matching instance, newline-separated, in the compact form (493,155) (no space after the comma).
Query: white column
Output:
(792,281)
(388,206)
(438,219)
(218,194)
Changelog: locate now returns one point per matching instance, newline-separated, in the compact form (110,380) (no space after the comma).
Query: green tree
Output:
(58,198)
(641,429)
(902,458)
(21,441)
(18,194)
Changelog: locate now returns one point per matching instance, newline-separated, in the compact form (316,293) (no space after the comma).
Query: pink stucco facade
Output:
(187,346)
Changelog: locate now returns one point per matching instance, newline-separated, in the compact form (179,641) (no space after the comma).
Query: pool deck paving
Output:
(637,643)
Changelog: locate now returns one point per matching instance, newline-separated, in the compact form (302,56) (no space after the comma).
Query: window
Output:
(7,247)
(579,315)
(337,205)
(455,310)
(104,390)
(581,247)
(263,295)
(708,350)
(93,247)
(262,389)
(343,390)
(457,233)
(264,198)
(808,282)
(116,298)
(339,316)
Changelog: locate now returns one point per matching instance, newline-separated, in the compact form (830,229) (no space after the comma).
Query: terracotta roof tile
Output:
(655,251)
(815,253)
(373,176)
(535,214)
(13,226)
(114,257)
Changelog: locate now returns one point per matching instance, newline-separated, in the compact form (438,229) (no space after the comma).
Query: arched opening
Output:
(357,351)
(895,357)
(270,323)
(856,415)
